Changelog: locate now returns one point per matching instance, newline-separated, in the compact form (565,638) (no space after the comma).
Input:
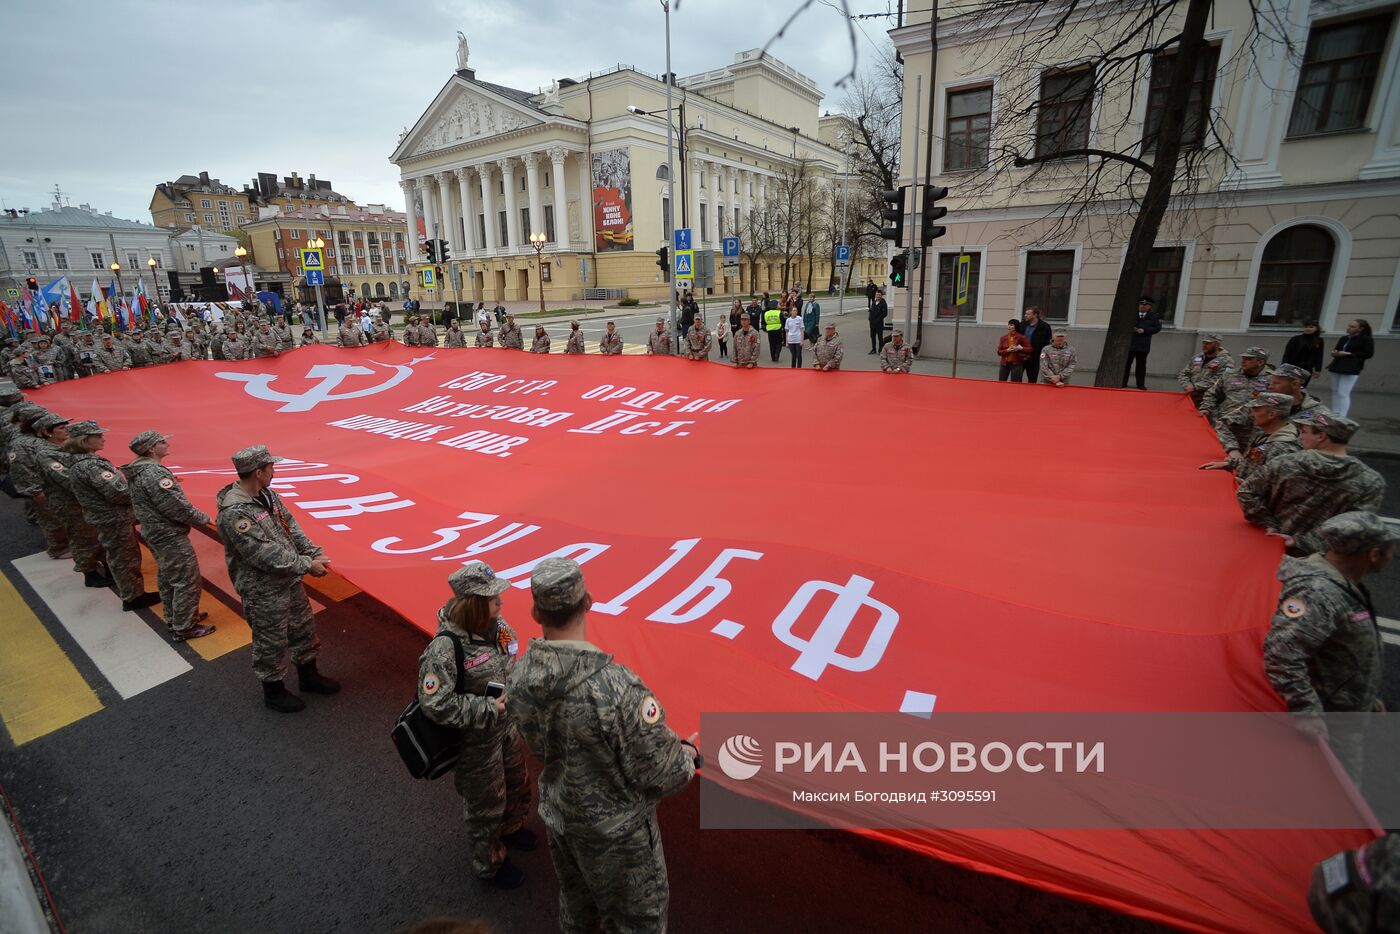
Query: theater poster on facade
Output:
(612,200)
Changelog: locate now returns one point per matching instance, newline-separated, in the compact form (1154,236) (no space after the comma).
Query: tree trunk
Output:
(1155,199)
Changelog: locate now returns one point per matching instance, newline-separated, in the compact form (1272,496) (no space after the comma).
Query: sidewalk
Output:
(20,910)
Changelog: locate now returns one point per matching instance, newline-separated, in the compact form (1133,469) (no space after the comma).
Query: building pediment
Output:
(464,112)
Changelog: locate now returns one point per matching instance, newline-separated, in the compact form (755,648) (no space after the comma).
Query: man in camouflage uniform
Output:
(1202,370)
(351,334)
(410,332)
(611,342)
(1289,379)
(829,350)
(84,356)
(895,357)
(427,332)
(491,775)
(541,342)
(199,339)
(1226,402)
(111,356)
(265,342)
(101,489)
(1057,360)
(745,344)
(698,340)
(1358,891)
(48,463)
(51,361)
(233,347)
(283,333)
(1291,496)
(575,343)
(22,369)
(659,340)
(166,516)
(608,758)
(456,337)
(163,351)
(483,335)
(10,398)
(1323,650)
(509,335)
(1272,435)
(135,347)
(267,555)
(25,460)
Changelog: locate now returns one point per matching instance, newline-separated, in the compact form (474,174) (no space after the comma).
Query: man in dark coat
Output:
(1038,332)
(1147,324)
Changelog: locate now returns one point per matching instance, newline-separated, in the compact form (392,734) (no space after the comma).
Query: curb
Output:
(19,903)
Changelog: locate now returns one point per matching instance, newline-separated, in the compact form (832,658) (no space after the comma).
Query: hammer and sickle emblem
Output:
(330,375)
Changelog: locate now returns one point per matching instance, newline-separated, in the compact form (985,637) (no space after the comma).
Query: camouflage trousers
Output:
(617,880)
(82,535)
(118,540)
(279,613)
(177,576)
(495,789)
(52,525)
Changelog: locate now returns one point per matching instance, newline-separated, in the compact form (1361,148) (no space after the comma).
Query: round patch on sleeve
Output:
(1294,608)
(651,710)
(56,466)
(106,475)
(430,684)
(166,483)
(242,525)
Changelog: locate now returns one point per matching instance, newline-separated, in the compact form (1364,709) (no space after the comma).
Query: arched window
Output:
(1293,276)
(393,290)
(379,290)
(364,290)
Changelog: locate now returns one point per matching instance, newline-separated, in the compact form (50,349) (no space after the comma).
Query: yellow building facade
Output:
(365,254)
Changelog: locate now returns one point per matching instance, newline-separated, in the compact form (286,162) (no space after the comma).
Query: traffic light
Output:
(430,251)
(439,273)
(31,284)
(899,269)
(933,211)
(663,259)
(893,211)
(444,252)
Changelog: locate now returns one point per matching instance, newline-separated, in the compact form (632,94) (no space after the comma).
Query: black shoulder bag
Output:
(429,749)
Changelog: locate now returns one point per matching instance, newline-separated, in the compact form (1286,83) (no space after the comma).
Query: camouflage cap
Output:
(251,458)
(1279,402)
(557,584)
(142,443)
(1258,353)
(1210,337)
(27,411)
(477,580)
(1291,371)
(49,421)
(85,428)
(9,390)
(1354,532)
(1337,427)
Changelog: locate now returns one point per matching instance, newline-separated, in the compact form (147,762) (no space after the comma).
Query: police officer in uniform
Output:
(491,775)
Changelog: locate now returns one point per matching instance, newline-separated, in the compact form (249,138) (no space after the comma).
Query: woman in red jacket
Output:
(1014,350)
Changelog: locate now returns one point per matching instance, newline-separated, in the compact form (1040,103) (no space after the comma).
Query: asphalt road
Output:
(188,807)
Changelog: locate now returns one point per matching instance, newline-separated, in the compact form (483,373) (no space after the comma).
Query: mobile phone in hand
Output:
(495,689)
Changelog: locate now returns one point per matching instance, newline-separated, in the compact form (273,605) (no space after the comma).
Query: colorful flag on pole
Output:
(9,315)
(75,307)
(97,304)
(39,311)
(118,306)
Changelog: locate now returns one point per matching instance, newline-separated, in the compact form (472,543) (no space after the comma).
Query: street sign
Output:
(311,259)
(315,277)
(12,293)
(704,268)
(685,261)
(427,277)
(730,246)
(964,278)
(843,254)
(680,239)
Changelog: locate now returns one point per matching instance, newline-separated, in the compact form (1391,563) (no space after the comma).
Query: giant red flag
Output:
(778,540)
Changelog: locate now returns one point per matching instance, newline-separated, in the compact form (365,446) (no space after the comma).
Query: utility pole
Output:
(915,203)
(844,278)
(928,155)
(670,171)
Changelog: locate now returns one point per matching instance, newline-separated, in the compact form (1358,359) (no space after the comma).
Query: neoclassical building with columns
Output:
(583,163)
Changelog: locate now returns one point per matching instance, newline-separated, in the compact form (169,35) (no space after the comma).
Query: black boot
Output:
(96,579)
(508,876)
(280,699)
(522,839)
(312,681)
(145,600)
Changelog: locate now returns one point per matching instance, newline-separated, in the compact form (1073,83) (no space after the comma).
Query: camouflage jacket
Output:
(1323,650)
(746,347)
(575,342)
(26,459)
(261,543)
(1229,396)
(427,335)
(159,502)
(608,754)
(101,489)
(698,341)
(380,333)
(24,374)
(1296,493)
(265,345)
(456,337)
(52,365)
(483,338)
(509,336)
(1201,371)
(658,343)
(1262,446)
(610,343)
(138,352)
(200,340)
(1372,901)
(163,352)
(350,335)
(483,661)
(1056,361)
(117,358)
(234,349)
(829,351)
(896,359)
(85,360)
(285,341)
(540,344)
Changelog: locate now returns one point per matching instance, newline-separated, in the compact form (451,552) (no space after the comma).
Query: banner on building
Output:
(612,200)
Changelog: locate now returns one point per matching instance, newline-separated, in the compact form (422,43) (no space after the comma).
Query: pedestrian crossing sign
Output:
(964,278)
(311,259)
(685,264)
(12,293)
(427,277)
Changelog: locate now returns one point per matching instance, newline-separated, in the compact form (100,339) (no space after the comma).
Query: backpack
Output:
(429,749)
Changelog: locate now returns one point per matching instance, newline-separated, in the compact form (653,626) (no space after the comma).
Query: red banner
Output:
(799,541)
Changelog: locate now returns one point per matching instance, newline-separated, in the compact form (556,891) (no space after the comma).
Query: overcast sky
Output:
(108,99)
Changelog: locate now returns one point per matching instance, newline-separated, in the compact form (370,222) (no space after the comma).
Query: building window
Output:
(209,219)
(205,203)
(189,218)
(223,205)
(947,286)
(480,233)
(31,258)
(97,260)
(1062,118)
(549,222)
(159,264)
(704,222)
(666,222)
(1338,75)
(525,229)
(736,221)
(1163,281)
(1293,276)
(60,260)
(1197,119)
(968,131)
(223,248)
(241,219)
(501,231)
(295,234)
(546,178)
(1049,279)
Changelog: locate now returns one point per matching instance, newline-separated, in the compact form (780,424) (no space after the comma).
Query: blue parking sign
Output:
(731,246)
(843,253)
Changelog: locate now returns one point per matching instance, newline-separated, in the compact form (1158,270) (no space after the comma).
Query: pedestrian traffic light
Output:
(430,251)
(899,267)
(439,273)
(663,259)
(933,211)
(893,211)
(31,284)
(444,252)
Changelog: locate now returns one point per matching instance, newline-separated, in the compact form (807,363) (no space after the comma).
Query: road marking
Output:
(1392,624)
(40,688)
(127,652)
(231,631)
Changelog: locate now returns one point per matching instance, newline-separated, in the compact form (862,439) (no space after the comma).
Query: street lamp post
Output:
(537,240)
(116,268)
(242,253)
(155,286)
(318,244)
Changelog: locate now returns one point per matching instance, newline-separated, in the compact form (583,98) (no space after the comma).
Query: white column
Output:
(585,206)
(561,202)
(464,189)
(762,192)
(745,180)
(512,216)
(445,220)
(532,189)
(411,202)
(425,187)
(716,190)
(695,201)
(488,206)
